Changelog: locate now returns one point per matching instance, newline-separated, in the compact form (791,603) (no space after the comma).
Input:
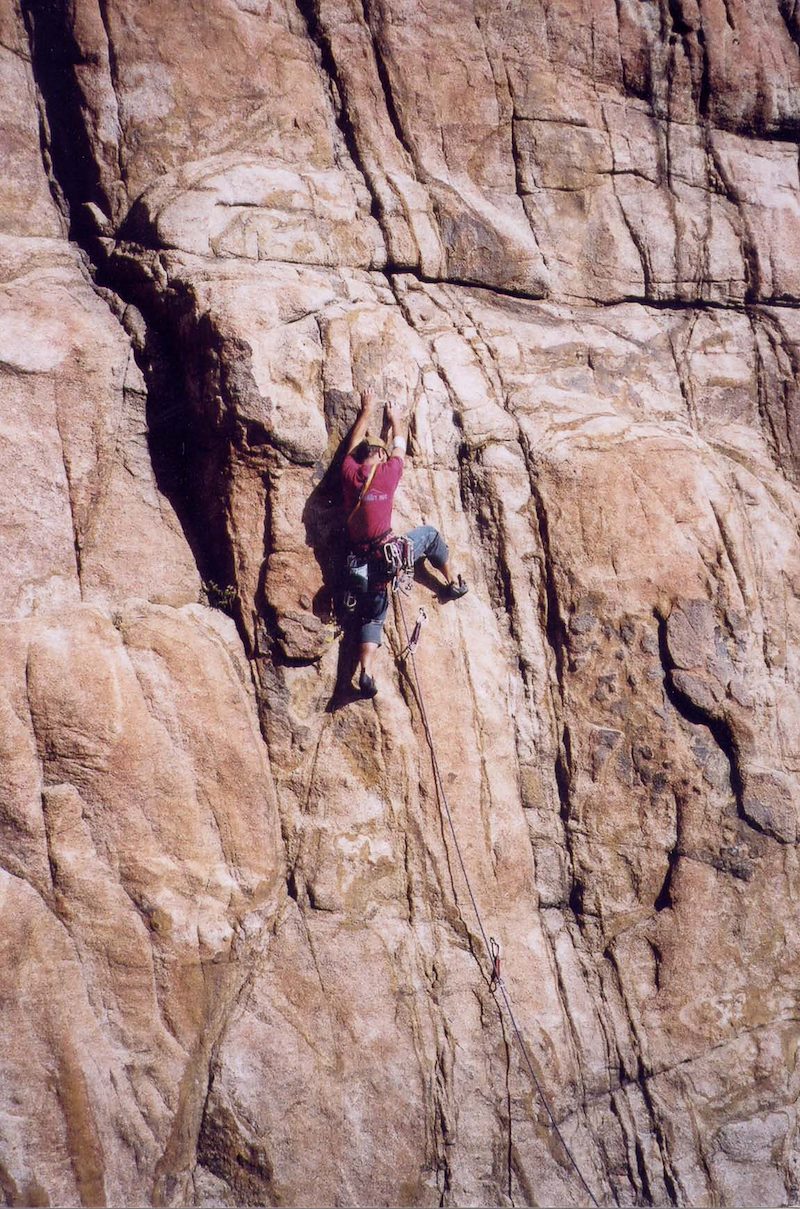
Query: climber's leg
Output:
(429,543)
(372,616)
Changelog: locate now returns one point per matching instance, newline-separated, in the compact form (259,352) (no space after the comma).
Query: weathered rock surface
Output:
(241,960)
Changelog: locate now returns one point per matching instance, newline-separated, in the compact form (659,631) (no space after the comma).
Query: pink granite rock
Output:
(242,960)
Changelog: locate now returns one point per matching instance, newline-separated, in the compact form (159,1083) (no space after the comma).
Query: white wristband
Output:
(399,443)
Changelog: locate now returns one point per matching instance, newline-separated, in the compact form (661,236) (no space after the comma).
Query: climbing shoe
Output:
(456,589)
(367,685)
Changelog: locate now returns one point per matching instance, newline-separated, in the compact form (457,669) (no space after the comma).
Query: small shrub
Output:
(218,597)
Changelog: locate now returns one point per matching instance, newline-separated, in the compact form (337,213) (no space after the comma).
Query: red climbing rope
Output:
(494,979)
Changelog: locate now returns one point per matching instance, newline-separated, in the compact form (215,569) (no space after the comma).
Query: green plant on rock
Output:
(218,597)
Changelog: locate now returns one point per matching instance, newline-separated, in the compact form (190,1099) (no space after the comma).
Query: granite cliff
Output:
(240,963)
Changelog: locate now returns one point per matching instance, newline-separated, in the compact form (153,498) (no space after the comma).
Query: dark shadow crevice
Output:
(718,727)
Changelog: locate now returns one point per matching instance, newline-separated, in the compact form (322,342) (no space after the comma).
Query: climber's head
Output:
(371,450)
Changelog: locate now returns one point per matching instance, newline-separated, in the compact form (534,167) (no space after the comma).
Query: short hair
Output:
(361,451)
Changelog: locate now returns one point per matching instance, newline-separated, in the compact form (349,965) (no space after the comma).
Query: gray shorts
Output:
(374,605)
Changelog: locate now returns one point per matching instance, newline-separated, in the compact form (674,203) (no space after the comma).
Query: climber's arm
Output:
(397,431)
(362,422)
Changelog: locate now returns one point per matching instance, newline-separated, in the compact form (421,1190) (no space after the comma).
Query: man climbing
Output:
(371,472)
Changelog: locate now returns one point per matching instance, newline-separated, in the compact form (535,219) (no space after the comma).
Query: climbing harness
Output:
(494,979)
(383,560)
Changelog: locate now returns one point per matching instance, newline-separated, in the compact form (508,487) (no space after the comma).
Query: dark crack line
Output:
(729,15)
(395,269)
(516,154)
(386,84)
(56,191)
(790,14)
(718,727)
(469,936)
(683,371)
(509,1112)
(747,240)
(76,534)
(628,1132)
(113,67)
(638,240)
(762,323)
(641,1080)
(320,39)
(689,304)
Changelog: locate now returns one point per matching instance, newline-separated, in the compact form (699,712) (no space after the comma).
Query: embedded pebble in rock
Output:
(244,962)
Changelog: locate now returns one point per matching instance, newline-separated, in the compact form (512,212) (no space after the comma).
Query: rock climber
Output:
(371,472)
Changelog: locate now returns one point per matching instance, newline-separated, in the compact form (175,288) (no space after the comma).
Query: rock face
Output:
(241,962)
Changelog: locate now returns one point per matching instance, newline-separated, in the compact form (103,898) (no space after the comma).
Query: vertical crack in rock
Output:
(780,440)
(429,786)
(45,139)
(519,185)
(174,440)
(664,900)
(733,555)
(320,40)
(189,454)
(198,1142)
(513,123)
(443,1110)
(790,14)
(687,25)
(118,150)
(68,150)
(649,288)
(386,84)
(555,630)
(729,17)
(383,191)
(509,1112)
(718,173)
(718,726)
(641,1076)
(76,534)
(704,86)
(683,367)
(640,243)
(628,1133)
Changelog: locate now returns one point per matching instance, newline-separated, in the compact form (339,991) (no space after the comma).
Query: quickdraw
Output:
(416,634)
(399,556)
(495,978)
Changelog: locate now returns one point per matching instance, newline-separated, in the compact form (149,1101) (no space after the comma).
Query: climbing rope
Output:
(495,979)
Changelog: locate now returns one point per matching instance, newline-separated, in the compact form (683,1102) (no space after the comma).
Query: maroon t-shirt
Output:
(374,516)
